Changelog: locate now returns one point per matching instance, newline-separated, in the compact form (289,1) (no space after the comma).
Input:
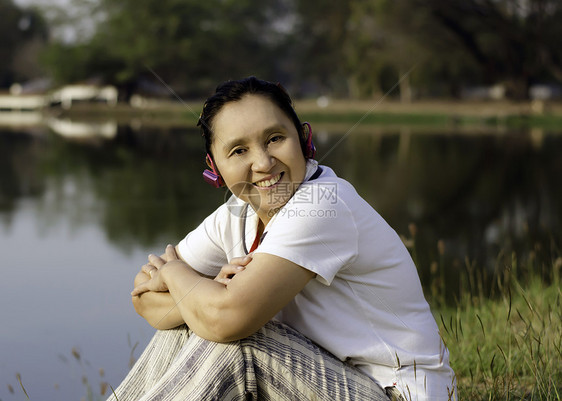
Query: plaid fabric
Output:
(275,363)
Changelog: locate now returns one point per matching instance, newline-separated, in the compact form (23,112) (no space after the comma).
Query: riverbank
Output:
(508,348)
(351,114)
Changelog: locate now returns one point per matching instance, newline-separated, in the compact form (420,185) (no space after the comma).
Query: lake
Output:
(82,205)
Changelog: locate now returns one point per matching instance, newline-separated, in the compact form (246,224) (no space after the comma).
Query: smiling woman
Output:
(327,305)
(257,149)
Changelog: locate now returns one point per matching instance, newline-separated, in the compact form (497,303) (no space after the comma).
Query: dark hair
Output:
(231,91)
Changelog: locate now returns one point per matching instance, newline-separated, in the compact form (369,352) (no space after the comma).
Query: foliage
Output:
(512,41)
(21,33)
(356,48)
(175,39)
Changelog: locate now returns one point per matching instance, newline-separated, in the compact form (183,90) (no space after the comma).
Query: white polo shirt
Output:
(366,304)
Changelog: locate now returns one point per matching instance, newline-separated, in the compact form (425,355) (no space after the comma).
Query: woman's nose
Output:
(263,161)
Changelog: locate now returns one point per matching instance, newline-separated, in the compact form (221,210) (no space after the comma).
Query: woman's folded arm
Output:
(223,313)
(157,308)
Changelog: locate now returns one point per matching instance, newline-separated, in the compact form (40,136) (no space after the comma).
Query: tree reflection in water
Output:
(479,196)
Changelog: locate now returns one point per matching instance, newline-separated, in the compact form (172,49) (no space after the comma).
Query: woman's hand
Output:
(158,308)
(228,271)
(152,269)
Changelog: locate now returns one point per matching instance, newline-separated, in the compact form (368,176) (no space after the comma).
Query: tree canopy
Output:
(351,48)
(512,41)
(188,43)
(22,34)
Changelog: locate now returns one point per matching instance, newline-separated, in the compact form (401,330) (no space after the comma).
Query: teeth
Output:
(268,183)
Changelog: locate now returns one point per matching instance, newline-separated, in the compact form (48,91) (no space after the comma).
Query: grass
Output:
(507,348)
(504,328)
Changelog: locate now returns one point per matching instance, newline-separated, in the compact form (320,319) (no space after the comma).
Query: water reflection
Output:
(82,130)
(131,185)
(478,193)
(129,193)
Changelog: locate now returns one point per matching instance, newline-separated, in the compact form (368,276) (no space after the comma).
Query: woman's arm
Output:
(229,312)
(157,308)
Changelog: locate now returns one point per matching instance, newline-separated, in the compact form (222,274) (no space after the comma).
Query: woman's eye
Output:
(275,138)
(238,152)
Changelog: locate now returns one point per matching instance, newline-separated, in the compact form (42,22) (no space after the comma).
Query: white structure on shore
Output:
(18,100)
(22,102)
(71,93)
(23,107)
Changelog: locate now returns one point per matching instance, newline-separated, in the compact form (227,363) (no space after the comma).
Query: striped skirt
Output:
(275,363)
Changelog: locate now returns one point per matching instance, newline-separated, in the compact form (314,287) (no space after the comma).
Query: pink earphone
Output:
(214,178)
(310,148)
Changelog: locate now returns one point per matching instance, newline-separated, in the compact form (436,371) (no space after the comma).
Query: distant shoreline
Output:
(343,115)
(452,114)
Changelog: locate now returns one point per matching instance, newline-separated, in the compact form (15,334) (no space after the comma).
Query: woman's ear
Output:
(305,130)
(310,149)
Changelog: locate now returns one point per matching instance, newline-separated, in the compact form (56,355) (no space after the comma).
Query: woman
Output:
(320,300)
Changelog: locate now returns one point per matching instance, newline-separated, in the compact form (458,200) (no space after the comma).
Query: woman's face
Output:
(257,151)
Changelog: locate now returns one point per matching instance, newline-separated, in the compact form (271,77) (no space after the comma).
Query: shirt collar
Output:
(311,167)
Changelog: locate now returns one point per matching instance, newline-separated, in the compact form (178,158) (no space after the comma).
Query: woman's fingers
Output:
(224,281)
(229,270)
(152,270)
(149,269)
(235,266)
(168,255)
(171,253)
(141,288)
(156,261)
(241,261)
(156,283)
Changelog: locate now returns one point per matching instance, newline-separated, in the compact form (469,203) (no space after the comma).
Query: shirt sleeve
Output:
(203,248)
(315,232)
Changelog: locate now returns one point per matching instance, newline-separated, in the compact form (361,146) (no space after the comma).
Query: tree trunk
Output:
(405,88)
(353,87)
(517,88)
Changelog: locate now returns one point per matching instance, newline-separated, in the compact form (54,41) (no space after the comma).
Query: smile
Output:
(269,183)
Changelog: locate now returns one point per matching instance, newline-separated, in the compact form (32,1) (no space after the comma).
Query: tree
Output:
(380,55)
(22,33)
(320,30)
(364,48)
(352,48)
(388,45)
(371,44)
(514,41)
(188,43)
